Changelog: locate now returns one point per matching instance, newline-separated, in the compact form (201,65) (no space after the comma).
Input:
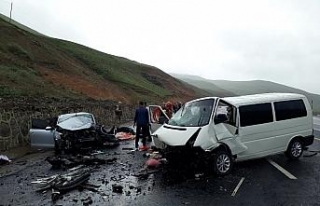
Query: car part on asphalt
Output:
(4,160)
(72,161)
(313,153)
(63,183)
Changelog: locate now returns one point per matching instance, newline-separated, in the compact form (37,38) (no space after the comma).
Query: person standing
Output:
(141,120)
(118,112)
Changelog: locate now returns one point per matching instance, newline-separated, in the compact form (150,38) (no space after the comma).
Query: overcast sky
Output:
(275,40)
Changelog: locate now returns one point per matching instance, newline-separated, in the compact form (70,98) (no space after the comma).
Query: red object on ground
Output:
(143,148)
(153,163)
(124,136)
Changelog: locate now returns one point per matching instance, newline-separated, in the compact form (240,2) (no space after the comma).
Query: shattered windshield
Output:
(75,121)
(193,114)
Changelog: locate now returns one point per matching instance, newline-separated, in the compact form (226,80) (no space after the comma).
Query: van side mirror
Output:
(220,118)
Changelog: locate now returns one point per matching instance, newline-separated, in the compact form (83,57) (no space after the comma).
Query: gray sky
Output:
(275,40)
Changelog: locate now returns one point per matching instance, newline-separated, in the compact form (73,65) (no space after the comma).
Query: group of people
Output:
(171,108)
(141,120)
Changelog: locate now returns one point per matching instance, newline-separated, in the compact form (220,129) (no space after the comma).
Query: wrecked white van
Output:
(224,130)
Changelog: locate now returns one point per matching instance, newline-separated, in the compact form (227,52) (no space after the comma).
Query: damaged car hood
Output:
(76,121)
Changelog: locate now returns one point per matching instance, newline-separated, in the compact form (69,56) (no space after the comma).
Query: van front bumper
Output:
(178,152)
(308,140)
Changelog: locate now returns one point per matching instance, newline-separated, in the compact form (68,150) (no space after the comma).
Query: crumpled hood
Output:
(175,135)
(76,121)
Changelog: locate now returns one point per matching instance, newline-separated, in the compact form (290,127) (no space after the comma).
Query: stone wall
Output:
(16,115)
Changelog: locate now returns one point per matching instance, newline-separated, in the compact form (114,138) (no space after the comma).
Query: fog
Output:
(232,40)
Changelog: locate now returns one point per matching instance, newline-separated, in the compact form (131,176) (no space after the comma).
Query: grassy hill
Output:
(35,65)
(205,84)
(231,88)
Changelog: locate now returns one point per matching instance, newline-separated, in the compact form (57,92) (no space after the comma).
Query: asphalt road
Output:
(256,182)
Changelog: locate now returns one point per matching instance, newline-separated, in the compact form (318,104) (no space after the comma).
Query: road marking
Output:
(281,169)
(317,139)
(237,187)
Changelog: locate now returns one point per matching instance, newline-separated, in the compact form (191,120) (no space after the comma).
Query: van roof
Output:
(261,98)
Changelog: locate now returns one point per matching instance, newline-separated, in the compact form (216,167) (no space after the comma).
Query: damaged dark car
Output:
(73,132)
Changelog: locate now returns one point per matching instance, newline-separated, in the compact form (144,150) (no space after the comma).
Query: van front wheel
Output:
(223,163)
(295,149)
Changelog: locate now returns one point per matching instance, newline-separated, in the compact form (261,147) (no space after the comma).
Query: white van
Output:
(224,130)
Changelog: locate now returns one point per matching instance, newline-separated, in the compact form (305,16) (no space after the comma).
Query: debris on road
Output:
(127,148)
(153,163)
(117,188)
(72,161)
(87,201)
(124,136)
(4,160)
(125,133)
(62,183)
(311,153)
(96,152)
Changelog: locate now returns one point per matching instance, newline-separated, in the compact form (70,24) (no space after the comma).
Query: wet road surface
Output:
(254,182)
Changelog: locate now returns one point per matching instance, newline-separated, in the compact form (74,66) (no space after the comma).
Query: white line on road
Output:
(281,169)
(237,187)
(317,139)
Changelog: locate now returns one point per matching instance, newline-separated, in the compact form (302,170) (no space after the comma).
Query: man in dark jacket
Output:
(141,119)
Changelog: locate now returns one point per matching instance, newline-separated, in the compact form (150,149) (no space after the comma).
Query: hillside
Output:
(205,84)
(35,65)
(247,87)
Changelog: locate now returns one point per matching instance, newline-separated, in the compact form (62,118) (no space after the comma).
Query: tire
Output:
(295,149)
(222,163)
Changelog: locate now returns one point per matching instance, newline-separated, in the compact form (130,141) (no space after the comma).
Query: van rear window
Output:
(290,109)
(255,114)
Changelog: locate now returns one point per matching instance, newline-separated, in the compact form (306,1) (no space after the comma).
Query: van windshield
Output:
(193,114)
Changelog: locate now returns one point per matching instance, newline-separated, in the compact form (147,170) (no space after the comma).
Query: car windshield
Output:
(76,121)
(193,114)
(83,117)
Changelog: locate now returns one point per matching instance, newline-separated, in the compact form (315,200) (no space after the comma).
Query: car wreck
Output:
(73,132)
(220,131)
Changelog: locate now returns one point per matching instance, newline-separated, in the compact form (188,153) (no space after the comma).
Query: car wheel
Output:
(295,149)
(222,163)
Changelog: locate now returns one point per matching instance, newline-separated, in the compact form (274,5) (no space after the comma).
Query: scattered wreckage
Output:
(81,167)
(73,132)
(58,184)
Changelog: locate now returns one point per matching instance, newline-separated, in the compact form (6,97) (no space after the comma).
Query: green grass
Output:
(25,52)
(116,69)
(17,81)
(18,51)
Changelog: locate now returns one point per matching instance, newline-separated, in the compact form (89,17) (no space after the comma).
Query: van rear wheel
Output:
(295,149)
(222,163)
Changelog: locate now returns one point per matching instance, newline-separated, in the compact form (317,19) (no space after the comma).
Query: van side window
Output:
(229,110)
(255,114)
(290,109)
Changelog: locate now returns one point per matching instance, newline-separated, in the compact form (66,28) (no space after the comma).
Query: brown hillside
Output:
(39,66)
